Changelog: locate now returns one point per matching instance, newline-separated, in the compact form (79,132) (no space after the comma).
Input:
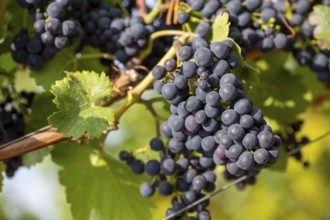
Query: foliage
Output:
(78,97)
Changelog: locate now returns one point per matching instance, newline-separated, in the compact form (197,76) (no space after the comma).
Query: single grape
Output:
(165,188)
(169,91)
(55,10)
(243,106)
(261,156)
(183,17)
(203,57)
(146,189)
(211,111)
(208,144)
(194,143)
(156,144)
(220,67)
(189,69)
(193,104)
(234,152)
(266,139)
(229,117)
(180,81)
(198,183)
(137,166)
(189,197)
(228,92)
(236,132)
(190,175)
(168,166)
(246,121)
(191,124)
(213,98)
(203,29)
(170,65)
(245,160)
(280,40)
(185,53)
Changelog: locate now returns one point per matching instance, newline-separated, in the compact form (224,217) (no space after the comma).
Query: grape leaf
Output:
(99,188)
(24,82)
(280,93)
(39,114)
(78,97)
(7,63)
(220,27)
(246,71)
(32,158)
(320,17)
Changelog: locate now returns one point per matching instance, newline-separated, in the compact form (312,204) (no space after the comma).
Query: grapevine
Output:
(235,79)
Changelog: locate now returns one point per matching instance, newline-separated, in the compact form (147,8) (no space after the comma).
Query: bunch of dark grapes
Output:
(93,23)
(266,25)
(291,142)
(55,27)
(212,123)
(12,127)
(107,30)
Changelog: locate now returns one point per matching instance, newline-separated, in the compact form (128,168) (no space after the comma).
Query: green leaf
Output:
(24,82)
(280,93)
(65,60)
(246,71)
(320,17)
(99,188)
(41,108)
(7,63)
(220,27)
(78,97)
(32,158)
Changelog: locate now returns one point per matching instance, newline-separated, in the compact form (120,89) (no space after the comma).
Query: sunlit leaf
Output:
(78,97)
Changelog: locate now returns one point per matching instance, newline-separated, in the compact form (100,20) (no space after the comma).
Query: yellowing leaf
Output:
(220,27)
(79,97)
(320,17)
(24,82)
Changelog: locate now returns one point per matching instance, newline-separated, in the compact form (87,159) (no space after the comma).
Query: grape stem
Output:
(150,17)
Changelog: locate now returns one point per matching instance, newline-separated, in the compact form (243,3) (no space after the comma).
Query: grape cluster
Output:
(107,30)
(93,23)
(266,25)
(12,127)
(212,123)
